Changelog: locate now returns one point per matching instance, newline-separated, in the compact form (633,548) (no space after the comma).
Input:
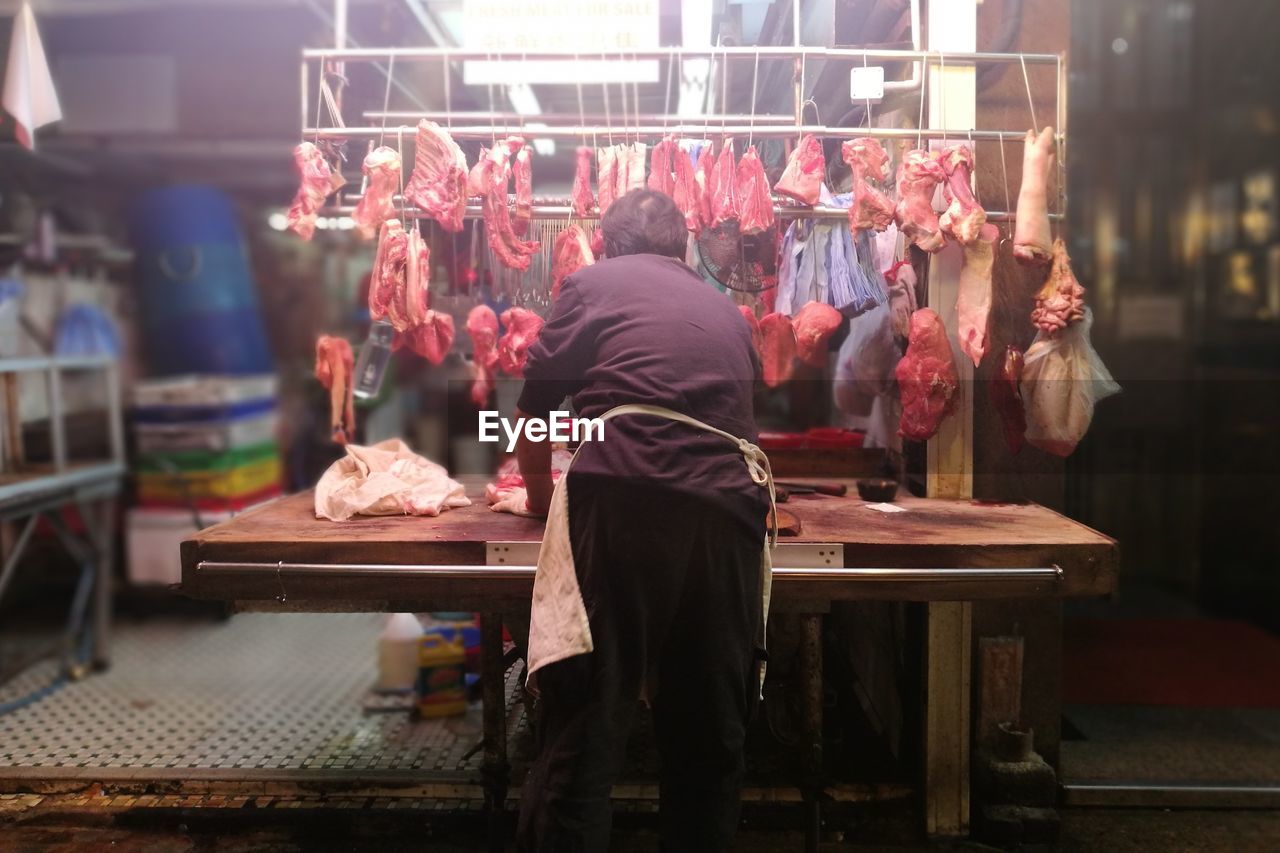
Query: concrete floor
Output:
(1154,744)
(193,706)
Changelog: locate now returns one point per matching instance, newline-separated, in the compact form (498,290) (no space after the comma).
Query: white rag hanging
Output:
(29,95)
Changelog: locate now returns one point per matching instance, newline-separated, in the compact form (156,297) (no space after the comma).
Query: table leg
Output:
(946,718)
(811,702)
(496,770)
(101,530)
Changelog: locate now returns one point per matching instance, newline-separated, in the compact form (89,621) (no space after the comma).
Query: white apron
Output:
(558,626)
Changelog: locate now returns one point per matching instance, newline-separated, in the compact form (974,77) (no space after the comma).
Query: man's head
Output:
(644,222)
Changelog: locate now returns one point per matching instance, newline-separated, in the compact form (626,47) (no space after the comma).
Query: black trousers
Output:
(672,589)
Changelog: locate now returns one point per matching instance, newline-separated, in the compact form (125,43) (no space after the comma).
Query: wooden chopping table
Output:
(280,557)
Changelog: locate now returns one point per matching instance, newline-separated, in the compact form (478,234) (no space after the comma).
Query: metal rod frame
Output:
(562,210)
(507,572)
(521,119)
(685,128)
(412,54)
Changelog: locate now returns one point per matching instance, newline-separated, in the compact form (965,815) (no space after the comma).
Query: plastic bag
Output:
(1062,380)
(864,365)
(864,388)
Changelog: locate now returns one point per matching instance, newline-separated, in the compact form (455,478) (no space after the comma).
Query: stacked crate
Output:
(206,449)
(207,442)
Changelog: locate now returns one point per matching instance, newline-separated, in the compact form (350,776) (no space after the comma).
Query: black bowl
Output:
(877,491)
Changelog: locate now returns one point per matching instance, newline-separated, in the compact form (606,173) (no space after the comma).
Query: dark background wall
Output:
(1174,124)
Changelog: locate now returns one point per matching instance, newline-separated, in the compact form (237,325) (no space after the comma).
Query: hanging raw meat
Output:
(685,192)
(481,173)
(973,302)
(755,204)
(918,179)
(417,277)
(572,252)
(1032,239)
(387,279)
(316,181)
(493,178)
(583,201)
(927,377)
(660,166)
(482,327)
(724,186)
(523,174)
(607,176)
(439,185)
(964,217)
(802,177)
(432,338)
(522,327)
(482,384)
(702,177)
(334,369)
(901,278)
(778,348)
(757,341)
(1061,301)
(814,325)
(622,153)
(870,208)
(400,275)
(634,175)
(1007,397)
(377,205)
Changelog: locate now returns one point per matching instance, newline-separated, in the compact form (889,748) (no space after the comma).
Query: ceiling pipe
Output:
(912,83)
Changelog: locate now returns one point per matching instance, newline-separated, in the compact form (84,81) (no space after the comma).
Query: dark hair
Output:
(644,222)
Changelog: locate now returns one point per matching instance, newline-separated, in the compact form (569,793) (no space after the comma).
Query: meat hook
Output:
(386,102)
(1007,204)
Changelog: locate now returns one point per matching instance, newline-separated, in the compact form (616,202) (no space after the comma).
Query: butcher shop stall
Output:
(287,560)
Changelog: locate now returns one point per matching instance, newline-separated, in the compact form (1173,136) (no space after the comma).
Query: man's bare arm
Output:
(534,459)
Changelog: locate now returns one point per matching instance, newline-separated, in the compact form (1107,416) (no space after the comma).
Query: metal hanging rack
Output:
(560,208)
(696,129)
(581,125)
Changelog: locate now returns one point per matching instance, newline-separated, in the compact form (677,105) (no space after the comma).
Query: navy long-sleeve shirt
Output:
(647,329)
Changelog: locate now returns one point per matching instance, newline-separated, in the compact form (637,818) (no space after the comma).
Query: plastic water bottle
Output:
(375,355)
(398,653)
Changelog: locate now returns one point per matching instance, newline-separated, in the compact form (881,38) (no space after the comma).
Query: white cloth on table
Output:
(386,479)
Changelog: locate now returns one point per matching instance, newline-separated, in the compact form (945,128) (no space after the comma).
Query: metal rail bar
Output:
(564,211)
(521,119)
(61,362)
(686,128)
(410,54)
(506,572)
(1166,795)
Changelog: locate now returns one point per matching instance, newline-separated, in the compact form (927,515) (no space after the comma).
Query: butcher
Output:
(653,575)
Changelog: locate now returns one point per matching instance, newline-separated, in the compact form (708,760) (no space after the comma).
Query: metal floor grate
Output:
(257,692)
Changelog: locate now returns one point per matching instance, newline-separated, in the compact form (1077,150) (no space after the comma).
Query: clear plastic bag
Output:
(1062,380)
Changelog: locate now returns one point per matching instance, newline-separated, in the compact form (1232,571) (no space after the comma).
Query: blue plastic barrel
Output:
(198,302)
(183,215)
